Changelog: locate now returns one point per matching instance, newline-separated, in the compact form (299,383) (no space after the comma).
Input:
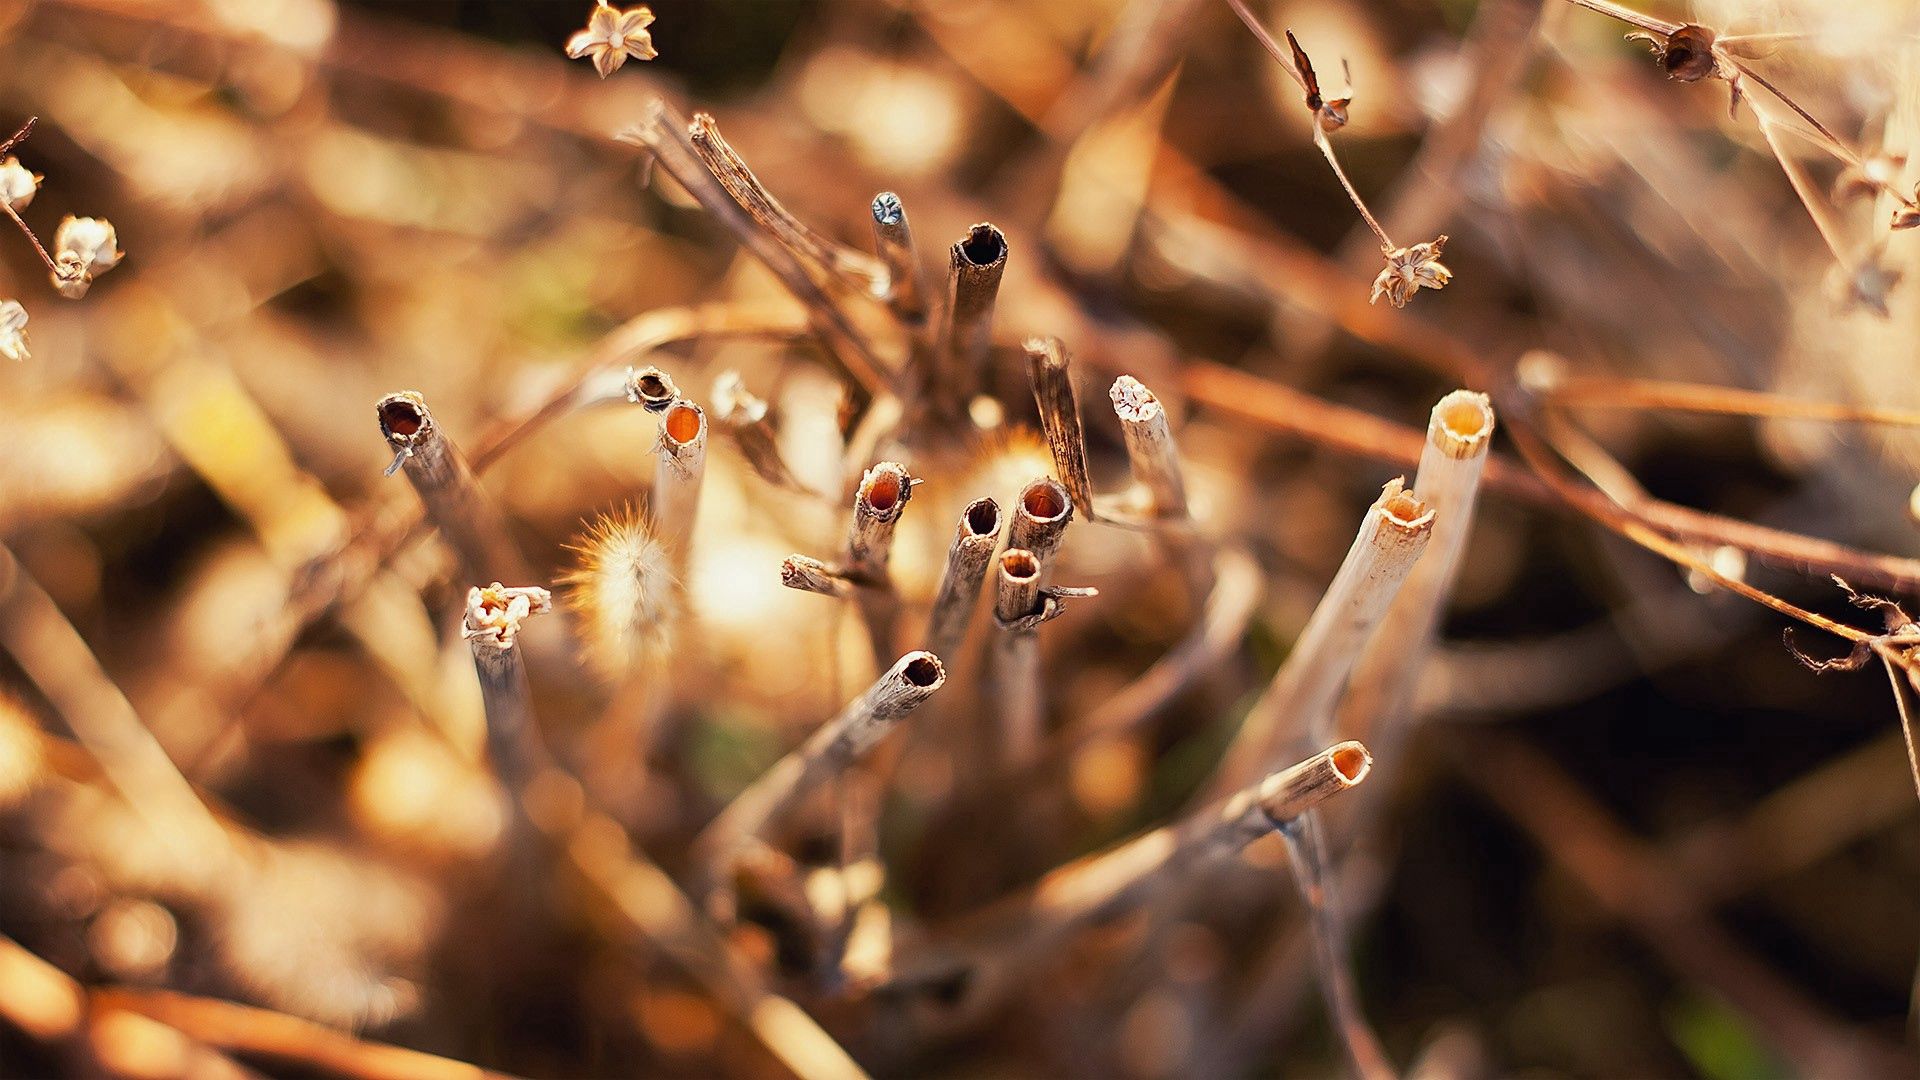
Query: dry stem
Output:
(671,142)
(1150,447)
(463,513)
(825,755)
(906,287)
(1021,604)
(677,474)
(750,422)
(1040,518)
(967,560)
(1298,703)
(965,337)
(491,626)
(1060,417)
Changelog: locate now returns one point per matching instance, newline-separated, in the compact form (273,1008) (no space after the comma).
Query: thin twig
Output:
(906,285)
(1151,450)
(1601,392)
(750,423)
(1306,853)
(457,506)
(1298,703)
(669,139)
(677,475)
(968,558)
(825,755)
(964,339)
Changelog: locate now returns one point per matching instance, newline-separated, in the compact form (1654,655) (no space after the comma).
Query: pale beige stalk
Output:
(1021,604)
(808,574)
(1459,435)
(1299,701)
(1040,518)
(837,744)
(1151,450)
(677,475)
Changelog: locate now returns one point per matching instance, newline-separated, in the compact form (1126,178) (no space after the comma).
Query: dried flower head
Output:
(1409,269)
(624,594)
(497,611)
(18,184)
(13,330)
(1686,55)
(612,35)
(84,248)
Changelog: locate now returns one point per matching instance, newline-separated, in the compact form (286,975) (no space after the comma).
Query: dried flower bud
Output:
(18,184)
(1686,55)
(1409,269)
(13,330)
(84,248)
(612,35)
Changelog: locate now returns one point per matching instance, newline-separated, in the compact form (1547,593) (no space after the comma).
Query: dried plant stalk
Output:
(826,754)
(1306,853)
(882,496)
(965,338)
(665,135)
(811,575)
(1459,434)
(469,521)
(996,945)
(906,291)
(53,655)
(492,626)
(843,262)
(677,474)
(1021,604)
(1150,447)
(1060,417)
(1298,703)
(967,561)
(749,421)
(1040,518)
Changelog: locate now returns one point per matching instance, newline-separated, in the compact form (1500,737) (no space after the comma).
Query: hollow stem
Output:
(1021,604)
(964,340)
(1297,705)
(825,755)
(1040,518)
(465,516)
(678,471)
(968,559)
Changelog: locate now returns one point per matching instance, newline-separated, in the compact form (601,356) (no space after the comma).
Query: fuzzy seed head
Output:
(623,593)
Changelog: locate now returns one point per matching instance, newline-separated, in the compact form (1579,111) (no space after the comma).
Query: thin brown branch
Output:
(964,339)
(1600,392)
(749,421)
(456,505)
(1047,368)
(826,754)
(968,559)
(670,140)
(854,267)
